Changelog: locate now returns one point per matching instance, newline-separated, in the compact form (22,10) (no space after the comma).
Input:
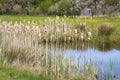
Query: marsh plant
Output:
(20,47)
(105,29)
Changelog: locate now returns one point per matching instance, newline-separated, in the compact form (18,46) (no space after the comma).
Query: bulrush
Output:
(59,31)
(45,29)
(75,30)
(23,45)
(89,35)
(82,37)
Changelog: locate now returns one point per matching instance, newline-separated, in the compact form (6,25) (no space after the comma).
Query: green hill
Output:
(58,7)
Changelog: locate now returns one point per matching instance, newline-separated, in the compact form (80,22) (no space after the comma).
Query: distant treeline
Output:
(57,7)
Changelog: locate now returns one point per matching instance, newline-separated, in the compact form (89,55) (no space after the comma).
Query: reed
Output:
(21,46)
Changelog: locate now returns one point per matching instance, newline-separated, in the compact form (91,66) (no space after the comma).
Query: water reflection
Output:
(102,47)
(100,54)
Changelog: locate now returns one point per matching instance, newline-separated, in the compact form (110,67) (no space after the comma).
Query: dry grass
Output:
(105,29)
(20,47)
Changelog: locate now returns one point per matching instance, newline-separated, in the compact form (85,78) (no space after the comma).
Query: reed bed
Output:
(20,46)
(53,30)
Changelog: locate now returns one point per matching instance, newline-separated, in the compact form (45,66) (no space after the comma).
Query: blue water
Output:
(101,58)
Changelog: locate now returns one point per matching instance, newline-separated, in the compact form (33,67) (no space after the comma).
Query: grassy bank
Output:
(92,23)
(10,73)
(67,29)
(19,47)
(22,36)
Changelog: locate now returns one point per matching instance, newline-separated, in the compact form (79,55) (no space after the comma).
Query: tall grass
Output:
(20,46)
(105,29)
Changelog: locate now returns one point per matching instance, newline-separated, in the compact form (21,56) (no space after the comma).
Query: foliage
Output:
(51,7)
(2,1)
(36,2)
(105,29)
(63,7)
(45,5)
(111,2)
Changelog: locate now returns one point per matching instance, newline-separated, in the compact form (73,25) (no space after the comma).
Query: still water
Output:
(104,56)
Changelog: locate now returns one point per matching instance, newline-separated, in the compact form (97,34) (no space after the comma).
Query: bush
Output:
(63,7)
(111,2)
(105,29)
(2,1)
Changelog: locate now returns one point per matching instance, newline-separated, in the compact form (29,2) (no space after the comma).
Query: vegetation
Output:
(111,2)
(10,73)
(53,7)
(20,48)
(22,38)
(105,29)
(2,1)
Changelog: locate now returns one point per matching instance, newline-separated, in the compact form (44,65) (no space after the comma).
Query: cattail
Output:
(45,29)
(89,35)
(75,30)
(81,36)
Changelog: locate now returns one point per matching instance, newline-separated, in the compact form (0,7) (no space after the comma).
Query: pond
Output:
(104,56)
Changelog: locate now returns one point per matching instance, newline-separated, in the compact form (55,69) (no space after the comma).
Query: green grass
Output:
(93,23)
(10,73)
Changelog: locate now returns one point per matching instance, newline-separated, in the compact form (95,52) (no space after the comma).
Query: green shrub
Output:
(105,29)
(111,2)
(63,7)
(2,1)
